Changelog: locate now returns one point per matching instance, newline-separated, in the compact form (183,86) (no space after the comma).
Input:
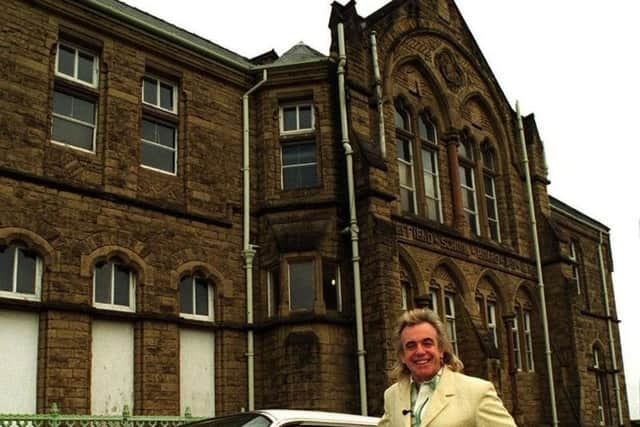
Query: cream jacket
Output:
(457,401)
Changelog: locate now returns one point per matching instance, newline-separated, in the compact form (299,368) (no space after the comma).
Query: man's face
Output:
(420,351)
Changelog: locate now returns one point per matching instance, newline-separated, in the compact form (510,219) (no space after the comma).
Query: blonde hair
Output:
(415,317)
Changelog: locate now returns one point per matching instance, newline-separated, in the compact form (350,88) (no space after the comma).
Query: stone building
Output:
(135,269)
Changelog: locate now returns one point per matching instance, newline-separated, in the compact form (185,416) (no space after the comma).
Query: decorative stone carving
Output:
(450,70)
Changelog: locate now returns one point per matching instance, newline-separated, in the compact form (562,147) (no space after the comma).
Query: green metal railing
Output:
(55,419)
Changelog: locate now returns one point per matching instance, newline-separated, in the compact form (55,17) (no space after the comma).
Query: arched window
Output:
(488,308)
(20,272)
(404,149)
(489,171)
(522,333)
(196,298)
(442,299)
(114,285)
(467,166)
(431,177)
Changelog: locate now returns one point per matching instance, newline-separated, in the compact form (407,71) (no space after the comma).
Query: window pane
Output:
(150,91)
(330,285)
(72,133)
(305,117)
(307,152)
(62,103)
(406,177)
(406,200)
(432,210)
(122,282)
(488,185)
(289,118)
(85,67)
(430,186)
(428,161)
(186,295)
(166,96)
(26,272)
(307,176)
(102,278)
(6,269)
(148,130)
(404,149)
(157,157)
(166,135)
(301,286)
(202,296)
(66,60)
(84,110)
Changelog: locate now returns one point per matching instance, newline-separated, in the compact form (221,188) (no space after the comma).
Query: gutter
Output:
(248,250)
(536,248)
(353,221)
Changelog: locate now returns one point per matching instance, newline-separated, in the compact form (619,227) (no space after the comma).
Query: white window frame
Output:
(159,81)
(435,175)
(492,324)
(298,129)
(410,165)
(599,387)
(450,319)
(93,125)
(462,170)
(515,334)
(164,147)
(435,293)
(404,295)
(132,290)
(313,283)
(13,294)
(77,50)
(298,165)
(528,342)
(210,317)
(492,199)
(575,268)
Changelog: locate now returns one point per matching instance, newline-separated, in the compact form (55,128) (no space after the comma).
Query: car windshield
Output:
(239,420)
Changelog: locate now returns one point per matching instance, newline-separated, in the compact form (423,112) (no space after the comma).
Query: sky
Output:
(573,63)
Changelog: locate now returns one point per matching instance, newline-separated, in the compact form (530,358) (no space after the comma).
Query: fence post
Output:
(55,413)
(125,416)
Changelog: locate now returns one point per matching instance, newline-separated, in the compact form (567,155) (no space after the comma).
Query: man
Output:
(430,390)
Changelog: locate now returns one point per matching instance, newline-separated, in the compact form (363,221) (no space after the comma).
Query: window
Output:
(158,130)
(273,292)
(489,175)
(159,94)
(301,286)
(601,385)
(196,298)
(450,320)
(20,273)
(492,325)
(158,149)
(515,337)
(404,151)
(331,286)
(299,165)
(528,343)
(431,178)
(74,121)
(77,65)
(468,184)
(404,296)
(432,301)
(114,286)
(296,118)
(575,267)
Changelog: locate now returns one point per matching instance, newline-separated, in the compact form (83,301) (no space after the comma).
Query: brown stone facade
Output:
(442,216)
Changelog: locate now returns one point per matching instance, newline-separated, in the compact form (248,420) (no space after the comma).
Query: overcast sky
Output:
(573,63)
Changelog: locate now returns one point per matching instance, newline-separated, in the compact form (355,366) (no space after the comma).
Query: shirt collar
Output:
(432,383)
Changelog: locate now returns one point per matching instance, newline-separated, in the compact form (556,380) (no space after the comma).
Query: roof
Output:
(573,213)
(298,54)
(164,29)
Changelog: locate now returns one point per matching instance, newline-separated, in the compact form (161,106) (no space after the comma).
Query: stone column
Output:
(451,140)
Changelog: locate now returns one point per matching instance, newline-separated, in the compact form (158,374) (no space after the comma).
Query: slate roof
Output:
(298,54)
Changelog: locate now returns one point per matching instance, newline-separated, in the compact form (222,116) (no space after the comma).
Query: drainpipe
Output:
(612,349)
(353,221)
(248,250)
(379,100)
(536,247)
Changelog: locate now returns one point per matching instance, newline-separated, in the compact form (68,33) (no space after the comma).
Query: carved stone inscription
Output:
(439,241)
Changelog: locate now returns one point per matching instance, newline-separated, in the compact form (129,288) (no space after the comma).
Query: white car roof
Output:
(290,415)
